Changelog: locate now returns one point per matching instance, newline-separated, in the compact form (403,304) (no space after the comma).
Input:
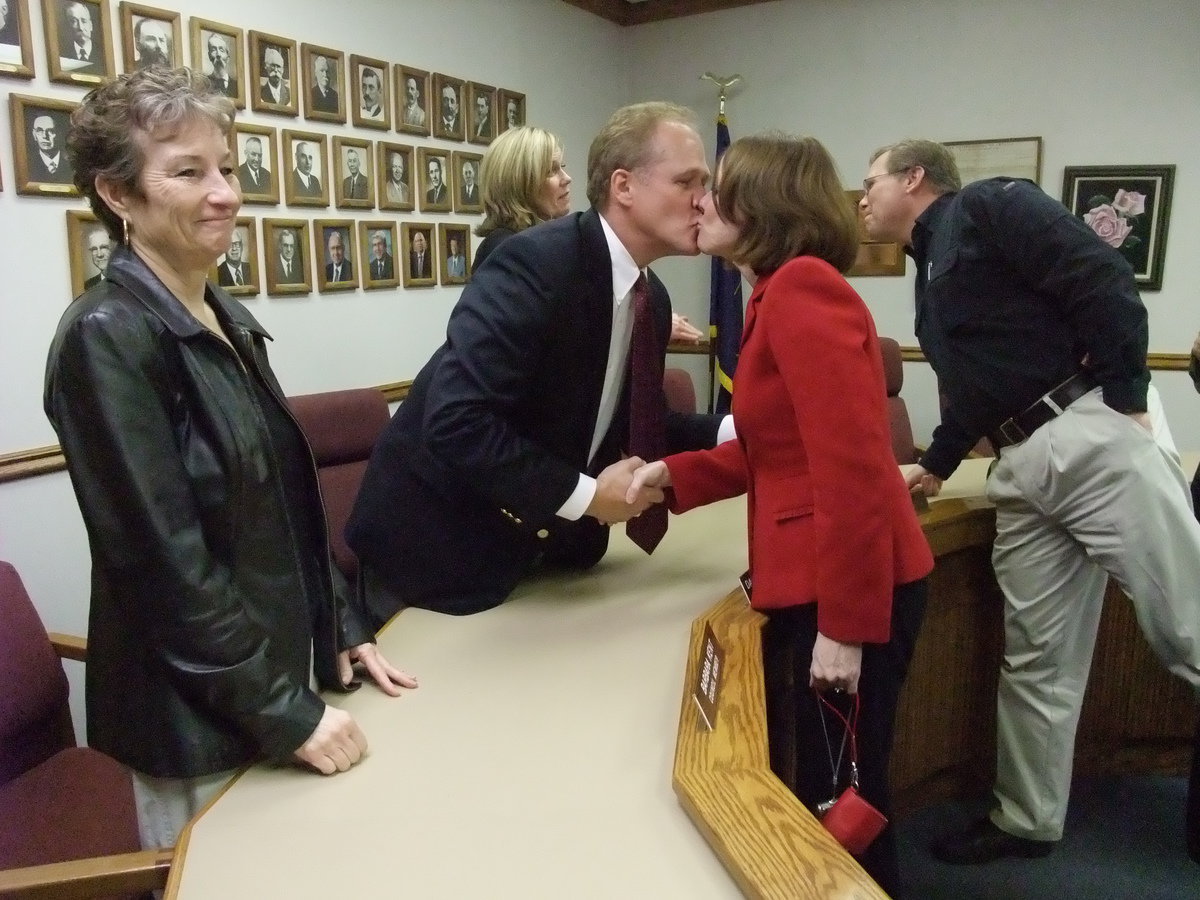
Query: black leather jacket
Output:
(210,595)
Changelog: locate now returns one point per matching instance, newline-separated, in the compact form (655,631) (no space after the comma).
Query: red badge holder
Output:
(853,821)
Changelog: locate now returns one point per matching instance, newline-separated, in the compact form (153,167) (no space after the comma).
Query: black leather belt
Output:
(1017,429)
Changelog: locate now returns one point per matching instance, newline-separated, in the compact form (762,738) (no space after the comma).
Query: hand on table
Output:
(388,677)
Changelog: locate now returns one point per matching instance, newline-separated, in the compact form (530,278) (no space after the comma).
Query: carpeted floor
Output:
(1123,841)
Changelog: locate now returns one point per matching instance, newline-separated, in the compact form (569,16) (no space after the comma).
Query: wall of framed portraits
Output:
(349,167)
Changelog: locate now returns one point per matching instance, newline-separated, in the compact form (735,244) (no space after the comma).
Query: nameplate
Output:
(709,672)
(48,188)
(747,584)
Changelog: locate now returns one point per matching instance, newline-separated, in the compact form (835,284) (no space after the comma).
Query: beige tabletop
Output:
(534,761)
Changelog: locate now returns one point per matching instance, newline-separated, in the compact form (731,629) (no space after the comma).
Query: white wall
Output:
(1102,83)
(572,67)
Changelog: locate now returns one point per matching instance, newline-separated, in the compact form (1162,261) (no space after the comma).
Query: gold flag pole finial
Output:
(722,82)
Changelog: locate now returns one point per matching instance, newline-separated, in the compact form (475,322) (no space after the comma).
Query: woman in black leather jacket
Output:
(213,601)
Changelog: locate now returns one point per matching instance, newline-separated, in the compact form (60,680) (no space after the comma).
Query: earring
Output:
(125,230)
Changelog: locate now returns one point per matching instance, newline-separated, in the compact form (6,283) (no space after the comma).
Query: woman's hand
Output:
(388,677)
(684,331)
(335,745)
(835,666)
(648,478)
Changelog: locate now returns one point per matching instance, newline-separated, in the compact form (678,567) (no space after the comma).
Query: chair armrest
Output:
(98,876)
(69,646)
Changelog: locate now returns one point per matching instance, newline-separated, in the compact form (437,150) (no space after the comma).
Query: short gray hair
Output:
(941,171)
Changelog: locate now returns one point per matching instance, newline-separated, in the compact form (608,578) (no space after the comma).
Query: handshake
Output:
(627,489)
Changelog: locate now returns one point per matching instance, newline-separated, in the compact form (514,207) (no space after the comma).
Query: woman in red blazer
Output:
(837,557)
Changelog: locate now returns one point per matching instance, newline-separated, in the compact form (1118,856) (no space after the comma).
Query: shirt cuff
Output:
(580,499)
(726,430)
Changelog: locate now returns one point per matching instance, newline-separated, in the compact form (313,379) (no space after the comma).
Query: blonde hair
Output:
(514,168)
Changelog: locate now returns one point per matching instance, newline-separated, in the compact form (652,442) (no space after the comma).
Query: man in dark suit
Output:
(338,268)
(419,264)
(482,128)
(254,177)
(275,90)
(288,263)
(436,192)
(506,456)
(9,32)
(47,162)
(79,49)
(304,182)
(324,95)
(469,192)
(222,77)
(234,271)
(354,185)
(99,248)
(383,265)
(451,124)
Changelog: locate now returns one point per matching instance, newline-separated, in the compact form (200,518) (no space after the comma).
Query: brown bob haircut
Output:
(785,195)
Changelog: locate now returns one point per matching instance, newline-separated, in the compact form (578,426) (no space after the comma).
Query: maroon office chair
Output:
(903,447)
(342,427)
(680,391)
(68,824)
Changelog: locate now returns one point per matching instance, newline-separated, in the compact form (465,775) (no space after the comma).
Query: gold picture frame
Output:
(238,272)
(334,274)
(464,173)
(79,41)
(874,258)
(89,249)
(287,275)
(435,190)
(260,184)
(16,47)
(306,148)
(481,113)
(353,174)
(273,83)
(510,109)
(419,269)
(39,134)
(413,113)
(324,102)
(226,73)
(445,106)
(377,241)
(371,96)
(454,262)
(395,194)
(150,36)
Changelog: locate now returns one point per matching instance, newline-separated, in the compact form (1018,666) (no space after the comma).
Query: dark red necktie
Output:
(647,416)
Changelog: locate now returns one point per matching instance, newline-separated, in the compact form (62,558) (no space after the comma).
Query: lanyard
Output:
(850,731)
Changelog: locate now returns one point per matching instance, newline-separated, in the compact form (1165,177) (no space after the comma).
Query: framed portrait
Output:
(447,112)
(454,262)
(272,74)
(378,240)
(510,109)
(874,257)
(1129,208)
(79,40)
(353,174)
(465,171)
(481,112)
(1015,157)
(39,133)
(150,37)
(237,268)
(370,86)
(420,250)
(16,50)
(305,155)
(324,83)
(219,52)
(254,147)
(286,260)
(433,165)
(333,249)
(394,167)
(89,248)
(412,100)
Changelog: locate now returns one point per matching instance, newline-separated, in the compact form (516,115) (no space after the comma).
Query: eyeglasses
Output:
(869,183)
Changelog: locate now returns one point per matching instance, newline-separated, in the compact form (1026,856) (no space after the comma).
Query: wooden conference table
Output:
(535,760)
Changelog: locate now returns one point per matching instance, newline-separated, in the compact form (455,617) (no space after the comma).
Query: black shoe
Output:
(983,842)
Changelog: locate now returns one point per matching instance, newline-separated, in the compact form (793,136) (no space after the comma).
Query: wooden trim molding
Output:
(625,14)
(124,873)
(1161,362)
(44,460)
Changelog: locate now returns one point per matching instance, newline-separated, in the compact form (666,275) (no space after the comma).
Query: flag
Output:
(724,308)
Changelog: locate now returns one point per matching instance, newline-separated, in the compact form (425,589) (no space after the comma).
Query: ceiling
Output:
(638,12)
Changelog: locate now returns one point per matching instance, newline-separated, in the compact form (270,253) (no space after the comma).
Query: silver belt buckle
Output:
(1012,432)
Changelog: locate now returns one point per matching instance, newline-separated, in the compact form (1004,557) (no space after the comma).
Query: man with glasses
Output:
(233,271)
(1038,337)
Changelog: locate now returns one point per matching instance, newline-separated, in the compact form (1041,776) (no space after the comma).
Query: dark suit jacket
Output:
(422,271)
(64,174)
(264,180)
(285,95)
(459,498)
(347,271)
(436,195)
(490,242)
(355,188)
(469,195)
(93,281)
(298,188)
(225,273)
(297,273)
(230,91)
(327,102)
(389,268)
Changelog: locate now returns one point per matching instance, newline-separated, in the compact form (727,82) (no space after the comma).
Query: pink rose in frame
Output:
(1129,203)
(1112,228)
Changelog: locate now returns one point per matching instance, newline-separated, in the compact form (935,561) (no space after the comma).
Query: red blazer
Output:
(830,519)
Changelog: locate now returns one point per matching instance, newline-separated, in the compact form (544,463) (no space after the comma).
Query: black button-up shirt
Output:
(1012,293)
